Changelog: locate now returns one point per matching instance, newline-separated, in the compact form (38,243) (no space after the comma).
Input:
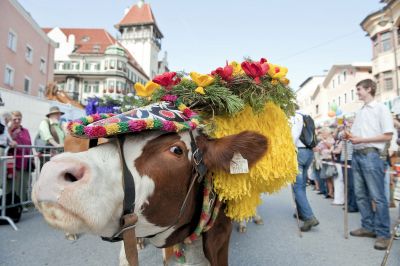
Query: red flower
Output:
(167,80)
(96,117)
(168,126)
(95,131)
(263,60)
(178,254)
(225,73)
(166,113)
(137,125)
(188,113)
(169,98)
(69,126)
(192,125)
(255,69)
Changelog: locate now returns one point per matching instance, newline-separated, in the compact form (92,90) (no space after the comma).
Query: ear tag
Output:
(239,165)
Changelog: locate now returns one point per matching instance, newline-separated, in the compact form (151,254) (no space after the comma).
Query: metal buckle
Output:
(212,198)
(195,155)
(117,236)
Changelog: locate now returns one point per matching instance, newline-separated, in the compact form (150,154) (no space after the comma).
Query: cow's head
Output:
(83,192)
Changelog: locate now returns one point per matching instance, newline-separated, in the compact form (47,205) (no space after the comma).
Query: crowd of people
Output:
(364,148)
(13,133)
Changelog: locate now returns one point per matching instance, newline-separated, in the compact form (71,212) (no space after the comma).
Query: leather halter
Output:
(129,218)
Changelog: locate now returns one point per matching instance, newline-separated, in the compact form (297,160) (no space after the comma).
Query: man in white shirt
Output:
(304,159)
(371,130)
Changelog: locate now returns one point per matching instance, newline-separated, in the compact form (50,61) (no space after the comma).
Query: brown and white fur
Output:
(83,192)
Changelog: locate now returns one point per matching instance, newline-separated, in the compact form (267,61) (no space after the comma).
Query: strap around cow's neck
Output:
(93,143)
(129,218)
(129,183)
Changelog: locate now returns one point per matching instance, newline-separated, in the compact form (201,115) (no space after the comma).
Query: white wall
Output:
(66,44)
(305,93)
(34,109)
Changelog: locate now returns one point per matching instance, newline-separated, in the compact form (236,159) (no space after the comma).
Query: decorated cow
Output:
(176,175)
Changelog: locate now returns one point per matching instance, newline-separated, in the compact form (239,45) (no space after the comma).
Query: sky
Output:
(307,36)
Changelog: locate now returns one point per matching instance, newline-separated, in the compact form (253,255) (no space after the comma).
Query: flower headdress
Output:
(252,95)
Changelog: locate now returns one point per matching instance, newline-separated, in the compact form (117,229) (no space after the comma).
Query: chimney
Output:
(126,10)
(140,3)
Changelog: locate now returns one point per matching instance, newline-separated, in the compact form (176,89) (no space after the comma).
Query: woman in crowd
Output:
(325,147)
(22,163)
(316,168)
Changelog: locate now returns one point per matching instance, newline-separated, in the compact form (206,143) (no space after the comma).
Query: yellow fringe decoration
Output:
(276,169)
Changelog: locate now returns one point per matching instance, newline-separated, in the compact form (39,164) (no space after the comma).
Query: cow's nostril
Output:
(70,177)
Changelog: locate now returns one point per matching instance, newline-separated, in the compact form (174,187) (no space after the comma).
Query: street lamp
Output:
(382,22)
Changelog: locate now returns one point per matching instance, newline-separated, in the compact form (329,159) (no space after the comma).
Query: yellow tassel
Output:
(276,169)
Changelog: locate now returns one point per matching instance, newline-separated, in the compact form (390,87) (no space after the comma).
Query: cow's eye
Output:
(177,150)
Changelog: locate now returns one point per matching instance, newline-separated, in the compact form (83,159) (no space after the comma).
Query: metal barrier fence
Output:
(19,169)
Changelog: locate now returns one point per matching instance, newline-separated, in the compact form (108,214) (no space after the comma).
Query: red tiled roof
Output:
(95,41)
(138,15)
(46,30)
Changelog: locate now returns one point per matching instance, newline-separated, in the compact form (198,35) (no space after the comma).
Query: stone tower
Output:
(141,36)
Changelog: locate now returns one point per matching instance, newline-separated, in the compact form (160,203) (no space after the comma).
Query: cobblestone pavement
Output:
(275,243)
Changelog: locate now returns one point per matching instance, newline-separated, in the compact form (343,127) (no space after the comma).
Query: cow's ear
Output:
(218,153)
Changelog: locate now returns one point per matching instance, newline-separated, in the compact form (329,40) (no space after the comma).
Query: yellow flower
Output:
(195,121)
(179,126)
(274,82)
(284,81)
(149,123)
(89,119)
(112,129)
(276,71)
(181,107)
(200,90)
(146,90)
(237,68)
(74,125)
(201,81)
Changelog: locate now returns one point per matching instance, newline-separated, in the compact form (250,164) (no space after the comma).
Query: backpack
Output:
(13,212)
(308,136)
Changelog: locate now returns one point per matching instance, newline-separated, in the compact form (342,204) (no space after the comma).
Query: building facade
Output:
(305,92)
(26,53)
(90,62)
(382,28)
(319,95)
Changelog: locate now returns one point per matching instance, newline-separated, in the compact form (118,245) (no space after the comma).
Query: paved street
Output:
(275,243)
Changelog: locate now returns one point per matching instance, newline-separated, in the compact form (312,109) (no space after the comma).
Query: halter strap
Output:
(129,196)
(129,183)
(129,218)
